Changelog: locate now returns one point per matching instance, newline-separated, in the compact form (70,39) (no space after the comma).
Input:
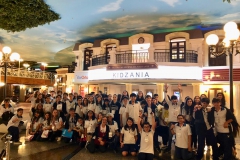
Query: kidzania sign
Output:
(162,72)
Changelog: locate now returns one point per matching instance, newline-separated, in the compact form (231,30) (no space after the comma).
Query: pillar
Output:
(22,93)
(160,91)
(236,101)
(196,89)
(129,88)
(76,88)
(112,56)
(101,87)
(151,54)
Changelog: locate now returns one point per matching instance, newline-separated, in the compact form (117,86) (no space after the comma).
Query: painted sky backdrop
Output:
(86,20)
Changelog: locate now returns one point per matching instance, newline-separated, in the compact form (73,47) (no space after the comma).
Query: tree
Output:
(18,15)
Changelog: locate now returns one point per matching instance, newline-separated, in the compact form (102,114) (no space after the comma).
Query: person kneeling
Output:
(128,144)
(100,137)
(13,126)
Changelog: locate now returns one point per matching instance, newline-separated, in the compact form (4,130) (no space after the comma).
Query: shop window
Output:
(105,90)
(219,60)
(87,58)
(178,50)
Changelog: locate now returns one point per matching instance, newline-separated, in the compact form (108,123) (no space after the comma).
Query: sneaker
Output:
(59,139)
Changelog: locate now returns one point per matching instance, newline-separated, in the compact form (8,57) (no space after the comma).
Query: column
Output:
(236,102)
(101,87)
(151,54)
(129,88)
(196,89)
(76,88)
(160,91)
(112,56)
(79,60)
(22,93)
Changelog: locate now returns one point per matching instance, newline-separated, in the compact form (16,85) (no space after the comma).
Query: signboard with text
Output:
(81,77)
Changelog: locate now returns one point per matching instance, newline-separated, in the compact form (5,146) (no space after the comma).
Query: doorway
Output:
(212,92)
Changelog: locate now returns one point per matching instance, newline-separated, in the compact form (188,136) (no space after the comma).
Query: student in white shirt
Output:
(91,104)
(57,125)
(183,145)
(13,125)
(35,125)
(79,107)
(122,111)
(128,143)
(174,110)
(47,106)
(70,103)
(90,125)
(146,151)
(6,111)
(45,125)
(133,108)
(113,134)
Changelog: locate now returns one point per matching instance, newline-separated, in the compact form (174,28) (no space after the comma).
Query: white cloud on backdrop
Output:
(171,3)
(113,6)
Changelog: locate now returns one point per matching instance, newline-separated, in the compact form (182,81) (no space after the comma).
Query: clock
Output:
(141,40)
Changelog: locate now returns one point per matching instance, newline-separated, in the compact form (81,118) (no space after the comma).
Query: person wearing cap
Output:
(133,108)
(174,110)
(123,118)
(113,133)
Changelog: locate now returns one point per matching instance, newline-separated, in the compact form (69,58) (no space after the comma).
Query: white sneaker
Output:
(59,139)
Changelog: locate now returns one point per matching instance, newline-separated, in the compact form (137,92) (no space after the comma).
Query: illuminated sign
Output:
(81,77)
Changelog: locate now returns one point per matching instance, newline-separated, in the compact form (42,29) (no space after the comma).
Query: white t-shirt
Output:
(133,110)
(129,136)
(70,105)
(47,107)
(123,113)
(56,124)
(149,110)
(182,134)
(2,110)
(16,124)
(90,125)
(220,119)
(32,100)
(113,127)
(146,145)
(85,110)
(92,106)
(98,109)
(35,125)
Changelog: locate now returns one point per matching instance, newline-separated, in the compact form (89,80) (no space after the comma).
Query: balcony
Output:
(99,60)
(163,55)
(131,56)
(28,74)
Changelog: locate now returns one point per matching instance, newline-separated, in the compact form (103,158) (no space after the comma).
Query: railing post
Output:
(151,54)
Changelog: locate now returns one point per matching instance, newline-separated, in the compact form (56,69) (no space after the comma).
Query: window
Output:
(219,60)
(178,50)
(87,58)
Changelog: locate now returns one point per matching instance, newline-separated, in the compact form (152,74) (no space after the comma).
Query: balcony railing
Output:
(131,57)
(99,60)
(28,74)
(163,55)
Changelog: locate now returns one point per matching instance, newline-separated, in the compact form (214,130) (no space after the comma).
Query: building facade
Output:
(144,62)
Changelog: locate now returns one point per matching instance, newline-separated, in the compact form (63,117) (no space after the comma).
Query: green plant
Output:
(18,15)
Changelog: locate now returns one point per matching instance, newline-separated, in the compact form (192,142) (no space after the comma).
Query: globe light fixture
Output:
(229,43)
(212,39)
(7,50)
(14,57)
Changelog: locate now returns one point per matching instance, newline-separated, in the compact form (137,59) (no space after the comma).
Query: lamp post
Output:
(229,43)
(44,66)
(6,57)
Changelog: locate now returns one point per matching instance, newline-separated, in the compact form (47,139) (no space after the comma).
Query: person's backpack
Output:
(6,116)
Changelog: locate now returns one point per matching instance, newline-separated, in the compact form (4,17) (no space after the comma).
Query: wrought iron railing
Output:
(99,60)
(132,56)
(163,55)
(28,74)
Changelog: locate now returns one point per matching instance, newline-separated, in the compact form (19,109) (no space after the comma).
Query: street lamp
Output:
(44,66)
(6,57)
(229,43)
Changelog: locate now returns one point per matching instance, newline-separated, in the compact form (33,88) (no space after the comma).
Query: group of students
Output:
(133,123)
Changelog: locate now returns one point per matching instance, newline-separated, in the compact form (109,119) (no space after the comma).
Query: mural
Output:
(86,20)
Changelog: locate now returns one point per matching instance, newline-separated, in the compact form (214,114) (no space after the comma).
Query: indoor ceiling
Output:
(86,20)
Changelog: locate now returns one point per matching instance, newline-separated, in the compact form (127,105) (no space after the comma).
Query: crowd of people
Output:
(133,124)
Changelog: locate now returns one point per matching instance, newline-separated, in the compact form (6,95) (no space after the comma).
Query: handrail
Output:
(28,74)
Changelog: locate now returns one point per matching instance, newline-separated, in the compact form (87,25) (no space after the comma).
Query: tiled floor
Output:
(59,151)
